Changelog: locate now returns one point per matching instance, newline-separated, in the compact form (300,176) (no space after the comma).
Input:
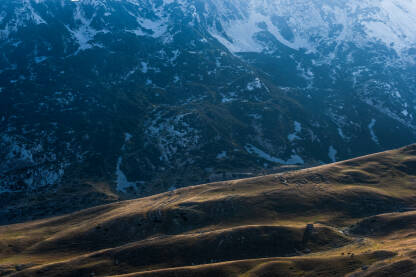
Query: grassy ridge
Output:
(362,211)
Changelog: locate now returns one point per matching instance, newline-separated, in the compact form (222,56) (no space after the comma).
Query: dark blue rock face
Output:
(146,96)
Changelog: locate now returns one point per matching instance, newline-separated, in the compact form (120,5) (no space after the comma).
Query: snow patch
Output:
(122,183)
(176,79)
(145,67)
(40,59)
(372,133)
(41,168)
(222,155)
(172,133)
(294,159)
(294,136)
(241,25)
(341,133)
(256,84)
(84,34)
(332,153)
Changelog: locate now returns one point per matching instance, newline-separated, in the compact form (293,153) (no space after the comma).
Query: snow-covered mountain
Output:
(149,95)
(312,25)
(239,25)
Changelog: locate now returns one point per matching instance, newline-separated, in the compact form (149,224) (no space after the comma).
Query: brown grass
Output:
(361,210)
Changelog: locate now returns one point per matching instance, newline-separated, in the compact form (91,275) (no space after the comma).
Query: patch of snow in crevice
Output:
(127,137)
(332,153)
(176,79)
(157,27)
(40,59)
(256,116)
(306,74)
(294,136)
(84,34)
(294,158)
(33,14)
(176,54)
(372,133)
(341,134)
(144,68)
(228,98)
(122,183)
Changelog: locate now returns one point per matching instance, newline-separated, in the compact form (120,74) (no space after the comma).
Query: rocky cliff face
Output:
(151,95)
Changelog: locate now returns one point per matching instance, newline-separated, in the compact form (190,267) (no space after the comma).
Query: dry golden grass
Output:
(361,210)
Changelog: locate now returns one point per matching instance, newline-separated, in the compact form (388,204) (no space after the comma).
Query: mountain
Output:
(352,218)
(103,100)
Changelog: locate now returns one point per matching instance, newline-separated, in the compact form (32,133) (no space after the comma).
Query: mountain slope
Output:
(111,100)
(249,227)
